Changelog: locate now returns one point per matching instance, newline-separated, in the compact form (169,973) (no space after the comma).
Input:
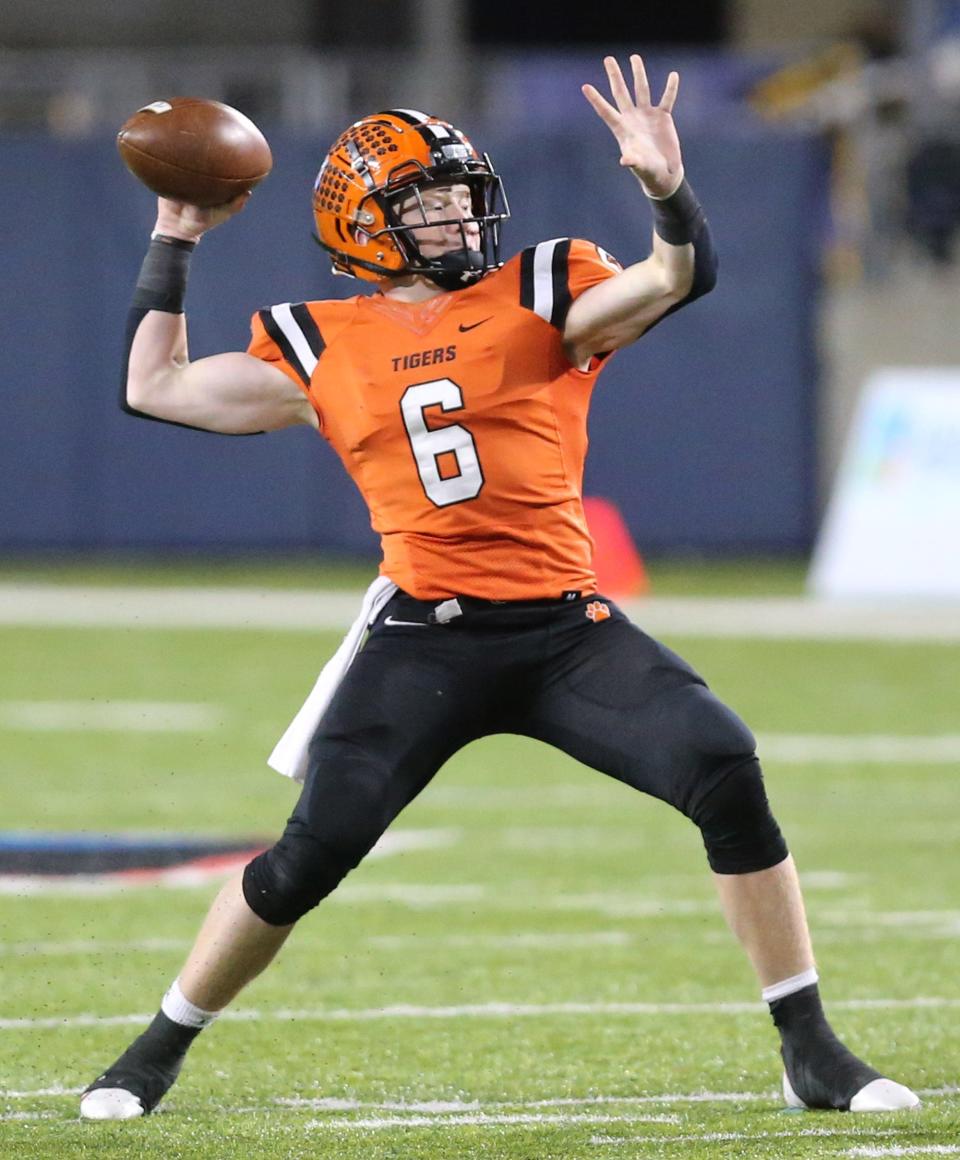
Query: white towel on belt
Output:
(289,756)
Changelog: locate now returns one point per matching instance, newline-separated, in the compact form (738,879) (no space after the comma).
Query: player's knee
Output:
(284,882)
(336,822)
(739,832)
(724,793)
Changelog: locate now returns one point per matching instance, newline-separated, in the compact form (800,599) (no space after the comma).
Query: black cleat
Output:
(820,1072)
(142,1076)
(830,1076)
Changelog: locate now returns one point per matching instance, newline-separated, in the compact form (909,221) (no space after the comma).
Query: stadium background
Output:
(719,436)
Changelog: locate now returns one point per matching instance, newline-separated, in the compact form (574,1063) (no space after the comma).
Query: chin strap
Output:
(455,271)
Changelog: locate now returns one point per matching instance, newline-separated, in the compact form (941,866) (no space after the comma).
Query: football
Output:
(194,150)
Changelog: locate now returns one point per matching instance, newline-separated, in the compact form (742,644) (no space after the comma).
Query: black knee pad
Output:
(342,811)
(739,831)
(283,883)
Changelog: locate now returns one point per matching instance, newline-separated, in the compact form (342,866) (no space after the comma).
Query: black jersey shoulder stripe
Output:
(297,336)
(560,276)
(526,278)
(544,282)
(308,325)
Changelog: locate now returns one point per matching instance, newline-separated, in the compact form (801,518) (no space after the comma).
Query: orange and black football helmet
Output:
(379,161)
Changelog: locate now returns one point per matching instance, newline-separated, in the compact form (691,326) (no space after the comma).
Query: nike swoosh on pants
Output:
(408,623)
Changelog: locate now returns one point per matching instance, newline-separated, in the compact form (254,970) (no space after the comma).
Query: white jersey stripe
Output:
(294,335)
(543,278)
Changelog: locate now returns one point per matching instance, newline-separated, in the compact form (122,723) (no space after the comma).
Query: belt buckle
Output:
(446,611)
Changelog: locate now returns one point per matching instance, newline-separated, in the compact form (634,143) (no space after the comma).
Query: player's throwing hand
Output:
(645,132)
(179,219)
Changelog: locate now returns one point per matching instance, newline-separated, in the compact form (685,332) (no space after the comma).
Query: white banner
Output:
(892,527)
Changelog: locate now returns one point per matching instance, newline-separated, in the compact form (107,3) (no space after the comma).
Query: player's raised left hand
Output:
(645,132)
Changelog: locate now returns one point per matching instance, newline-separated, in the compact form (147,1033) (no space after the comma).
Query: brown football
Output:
(194,150)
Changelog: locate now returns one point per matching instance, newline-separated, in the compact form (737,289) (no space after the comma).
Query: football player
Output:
(456,395)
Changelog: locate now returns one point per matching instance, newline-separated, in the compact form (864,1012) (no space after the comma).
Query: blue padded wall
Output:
(703,432)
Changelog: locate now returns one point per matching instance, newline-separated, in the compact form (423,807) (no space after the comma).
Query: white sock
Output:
(177,1006)
(789,986)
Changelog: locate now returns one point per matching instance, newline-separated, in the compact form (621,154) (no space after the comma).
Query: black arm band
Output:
(678,218)
(688,224)
(162,284)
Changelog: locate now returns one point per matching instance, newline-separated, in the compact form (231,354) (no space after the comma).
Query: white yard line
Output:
(36,1093)
(439,1107)
(192,877)
(888,918)
(923,924)
(742,1137)
(78,606)
(443,1107)
(397,841)
(417,896)
(525,940)
(69,605)
(493,1010)
(111,716)
(859,748)
(480,1119)
(629,906)
(800,618)
(906,1150)
(617,1111)
(501,1010)
(97,885)
(827,879)
(90,946)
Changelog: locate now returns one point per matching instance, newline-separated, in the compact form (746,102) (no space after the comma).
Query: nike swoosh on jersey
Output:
(407,623)
(473,325)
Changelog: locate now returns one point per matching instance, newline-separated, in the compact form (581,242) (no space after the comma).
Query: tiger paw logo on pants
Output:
(597,611)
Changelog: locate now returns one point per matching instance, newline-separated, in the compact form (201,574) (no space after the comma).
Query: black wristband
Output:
(678,218)
(162,283)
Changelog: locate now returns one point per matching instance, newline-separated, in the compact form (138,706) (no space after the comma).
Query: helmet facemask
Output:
(460,265)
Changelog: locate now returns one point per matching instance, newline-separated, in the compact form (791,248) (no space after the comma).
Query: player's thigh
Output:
(402,710)
(625,704)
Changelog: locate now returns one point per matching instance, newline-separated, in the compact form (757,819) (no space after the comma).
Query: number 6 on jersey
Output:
(428,445)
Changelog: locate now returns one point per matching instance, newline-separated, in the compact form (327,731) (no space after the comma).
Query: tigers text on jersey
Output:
(460,420)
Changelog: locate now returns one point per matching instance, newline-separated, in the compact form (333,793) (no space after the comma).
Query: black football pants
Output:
(593,685)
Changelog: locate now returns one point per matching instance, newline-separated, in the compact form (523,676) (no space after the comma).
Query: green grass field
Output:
(542,973)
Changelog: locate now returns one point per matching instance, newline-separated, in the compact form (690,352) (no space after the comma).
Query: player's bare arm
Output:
(232,393)
(617,312)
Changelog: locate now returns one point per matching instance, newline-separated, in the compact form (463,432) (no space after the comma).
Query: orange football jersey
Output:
(460,420)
